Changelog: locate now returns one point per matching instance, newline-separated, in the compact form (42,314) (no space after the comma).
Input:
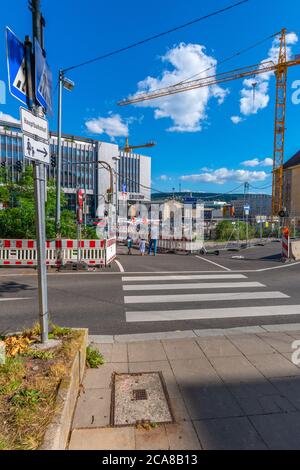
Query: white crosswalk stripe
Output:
(204,314)
(150,299)
(182,277)
(237,289)
(202,285)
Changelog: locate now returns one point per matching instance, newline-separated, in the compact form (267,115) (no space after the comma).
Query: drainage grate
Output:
(140,394)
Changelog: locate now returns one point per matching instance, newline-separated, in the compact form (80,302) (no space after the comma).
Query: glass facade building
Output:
(79,167)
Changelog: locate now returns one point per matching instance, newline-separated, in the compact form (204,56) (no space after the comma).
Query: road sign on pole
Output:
(35,137)
(43,78)
(34,126)
(246,209)
(16,66)
(36,150)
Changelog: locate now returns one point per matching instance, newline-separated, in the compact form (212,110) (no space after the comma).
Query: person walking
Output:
(142,246)
(129,244)
(153,240)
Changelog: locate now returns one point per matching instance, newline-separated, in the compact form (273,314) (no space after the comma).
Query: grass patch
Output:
(36,354)
(29,381)
(94,358)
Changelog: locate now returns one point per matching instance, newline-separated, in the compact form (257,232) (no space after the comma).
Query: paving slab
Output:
(101,378)
(261,398)
(103,439)
(294,334)
(279,431)
(206,402)
(113,352)
(182,349)
(93,409)
(138,337)
(189,371)
(282,327)
(228,434)
(203,391)
(179,409)
(101,338)
(218,347)
(289,356)
(236,369)
(148,351)
(279,341)
(251,344)
(274,365)
(159,366)
(289,387)
(153,439)
(182,436)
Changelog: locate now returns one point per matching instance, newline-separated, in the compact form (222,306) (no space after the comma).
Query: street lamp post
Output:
(68,84)
(116,159)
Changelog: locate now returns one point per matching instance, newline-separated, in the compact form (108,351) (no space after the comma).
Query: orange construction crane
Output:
(280,70)
(128,148)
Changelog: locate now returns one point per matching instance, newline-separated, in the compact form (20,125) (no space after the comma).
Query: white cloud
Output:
(164,178)
(8,118)
(255,93)
(267,162)
(187,110)
(252,163)
(236,119)
(113,125)
(257,162)
(223,175)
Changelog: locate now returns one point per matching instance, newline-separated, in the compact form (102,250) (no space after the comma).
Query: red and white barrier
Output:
(58,252)
(285,245)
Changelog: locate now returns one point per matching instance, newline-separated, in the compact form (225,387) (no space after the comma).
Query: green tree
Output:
(225,230)
(17,219)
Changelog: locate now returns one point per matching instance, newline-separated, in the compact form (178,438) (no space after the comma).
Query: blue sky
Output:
(198,144)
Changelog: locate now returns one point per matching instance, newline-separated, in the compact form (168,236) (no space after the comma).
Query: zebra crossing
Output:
(161,297)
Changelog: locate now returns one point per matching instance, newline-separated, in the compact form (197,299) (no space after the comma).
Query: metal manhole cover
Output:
(140,397)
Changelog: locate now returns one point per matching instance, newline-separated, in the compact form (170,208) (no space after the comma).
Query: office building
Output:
(80,168)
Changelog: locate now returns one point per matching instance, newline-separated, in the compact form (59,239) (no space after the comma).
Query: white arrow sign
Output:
(36,150)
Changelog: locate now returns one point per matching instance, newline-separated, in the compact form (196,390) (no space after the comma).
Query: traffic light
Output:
(53,161)
(19,166)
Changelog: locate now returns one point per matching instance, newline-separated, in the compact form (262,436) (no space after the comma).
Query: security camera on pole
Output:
(30,81)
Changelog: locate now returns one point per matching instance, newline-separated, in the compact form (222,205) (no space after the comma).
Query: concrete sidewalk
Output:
(229,391)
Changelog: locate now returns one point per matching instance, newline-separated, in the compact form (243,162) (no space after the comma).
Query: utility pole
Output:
(59,158)
(39,186)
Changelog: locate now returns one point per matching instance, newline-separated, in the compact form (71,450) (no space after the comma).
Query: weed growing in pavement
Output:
(94,358)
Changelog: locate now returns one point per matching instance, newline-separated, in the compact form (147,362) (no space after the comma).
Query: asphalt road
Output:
(207,292)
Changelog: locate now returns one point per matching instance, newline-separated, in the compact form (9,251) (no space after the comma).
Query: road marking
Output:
(212,262)
(184,277)
(119,265)
(278,267)
(7,299)
(150,299)
(204,314)
(196,285)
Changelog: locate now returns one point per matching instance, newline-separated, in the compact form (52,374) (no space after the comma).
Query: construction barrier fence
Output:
(58,252)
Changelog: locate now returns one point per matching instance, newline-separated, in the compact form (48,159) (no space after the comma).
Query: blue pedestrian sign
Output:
(124,188)
(16,66)
(43,79)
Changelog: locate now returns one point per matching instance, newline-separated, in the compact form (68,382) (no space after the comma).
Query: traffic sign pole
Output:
(39,186)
